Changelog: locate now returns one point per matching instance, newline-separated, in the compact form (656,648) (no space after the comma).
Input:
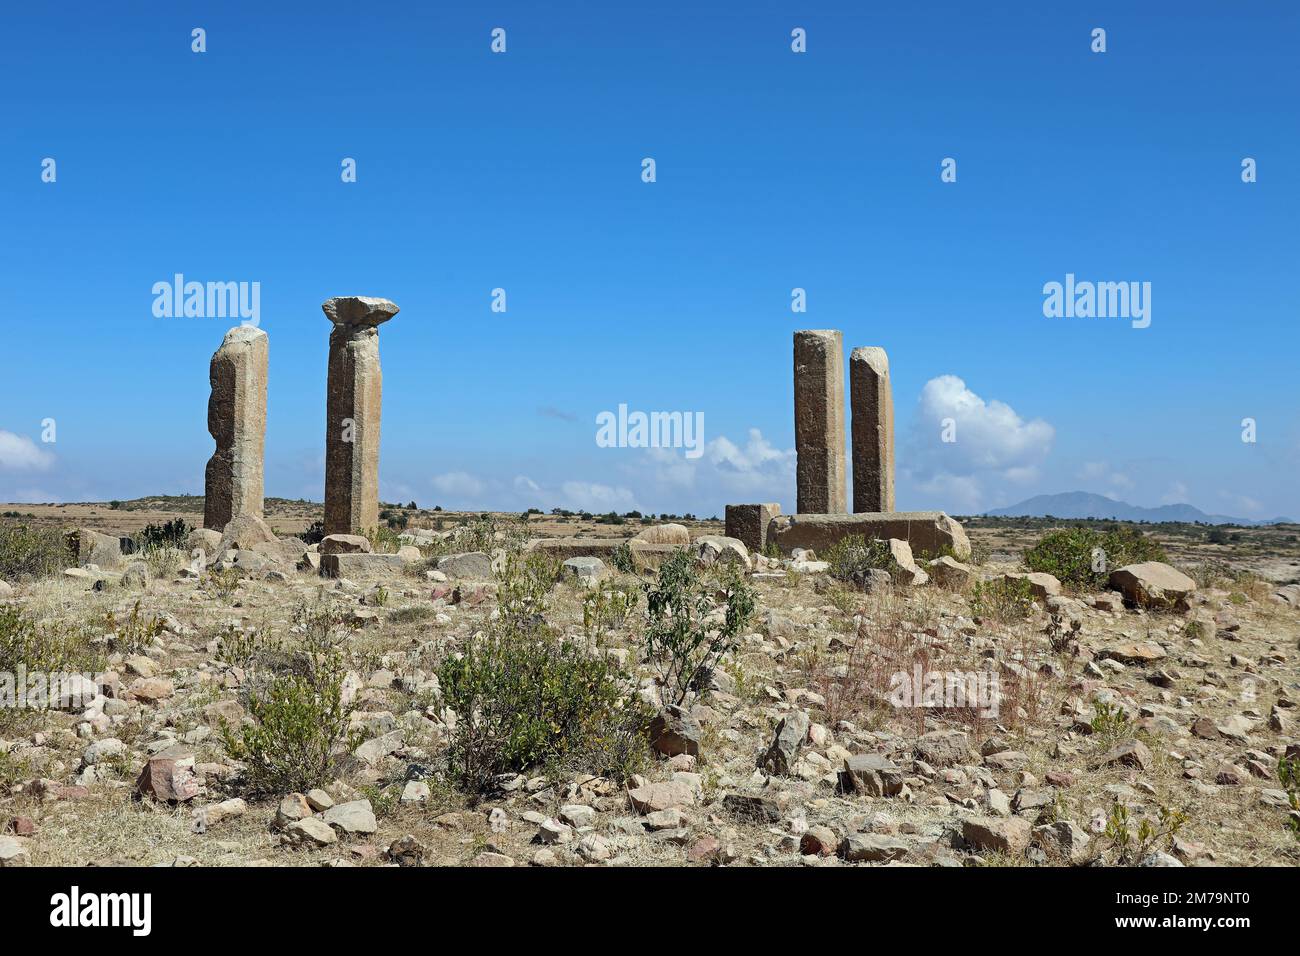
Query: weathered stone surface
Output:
(585,570)
(470,566)
(677,534)
(1129,753)
(872,848)
(675,731)
(661,796)
(790,735)
(748,523)
(310,832)
(91,547)
(904,568)
(354,818)
(345,544)
(952,574)
(248,532)
(873,431)
(1008,835)
(819,421)
(872,774)
(237,422)
(710,549)
(1151,583)
(361,567)
(355,392)
(169,776)
(1138,653)
(943,748)
(1041,584)
(927,532)
(13,852)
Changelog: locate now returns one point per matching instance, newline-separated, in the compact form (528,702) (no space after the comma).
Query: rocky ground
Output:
(1110,716)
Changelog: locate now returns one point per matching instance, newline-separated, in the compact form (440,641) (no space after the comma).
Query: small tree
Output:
(683,634)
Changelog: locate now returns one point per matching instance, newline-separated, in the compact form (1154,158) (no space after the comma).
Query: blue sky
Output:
(775,170)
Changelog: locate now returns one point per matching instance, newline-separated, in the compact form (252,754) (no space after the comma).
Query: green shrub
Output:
(683,637)
(854,555)
(27,551)
(1002,599)
(1082,558)
(621,558)
(607,606)
(523,699)
(524,583)
(169,535)
(133,634)
(300,724)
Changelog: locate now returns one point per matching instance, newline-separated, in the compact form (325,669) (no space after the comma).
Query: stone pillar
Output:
(748,523)
(819,421)
(352,413)
(873,431)
(237,421)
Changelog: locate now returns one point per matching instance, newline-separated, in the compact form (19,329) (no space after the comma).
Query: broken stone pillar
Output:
(237,421)
(352,413)
(873,431)
(748,523)
(819,421)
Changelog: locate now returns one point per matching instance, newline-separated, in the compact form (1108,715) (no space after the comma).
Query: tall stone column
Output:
(237,421)
(819,421)
(873,430)
(355,389)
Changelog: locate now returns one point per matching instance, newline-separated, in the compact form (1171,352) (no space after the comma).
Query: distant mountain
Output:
(1083,504)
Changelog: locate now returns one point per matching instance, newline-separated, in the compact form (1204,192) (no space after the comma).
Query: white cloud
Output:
(458,483)
(1176,495)
(526,486)
(992,445)
(597,498)
(20,453)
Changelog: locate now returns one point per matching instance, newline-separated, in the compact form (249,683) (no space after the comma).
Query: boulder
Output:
(710,549)
(1009,835)
(586,571)
(1152,584)
(470,566)
(1041,584)
(92,547)
(903,567)
(950,573)
(361,566)
(675,731)
(791,732)
(675,534)
(169,776)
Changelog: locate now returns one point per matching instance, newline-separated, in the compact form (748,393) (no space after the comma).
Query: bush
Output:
(133,634)
(1082,558)
(683,635)
(854,554)
(621,558)
(1002,599)
(31,552)
(524,699)
(169,535)
(524,584)
(300,724)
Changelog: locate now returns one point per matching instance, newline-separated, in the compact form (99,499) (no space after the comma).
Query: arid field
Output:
(247,710)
